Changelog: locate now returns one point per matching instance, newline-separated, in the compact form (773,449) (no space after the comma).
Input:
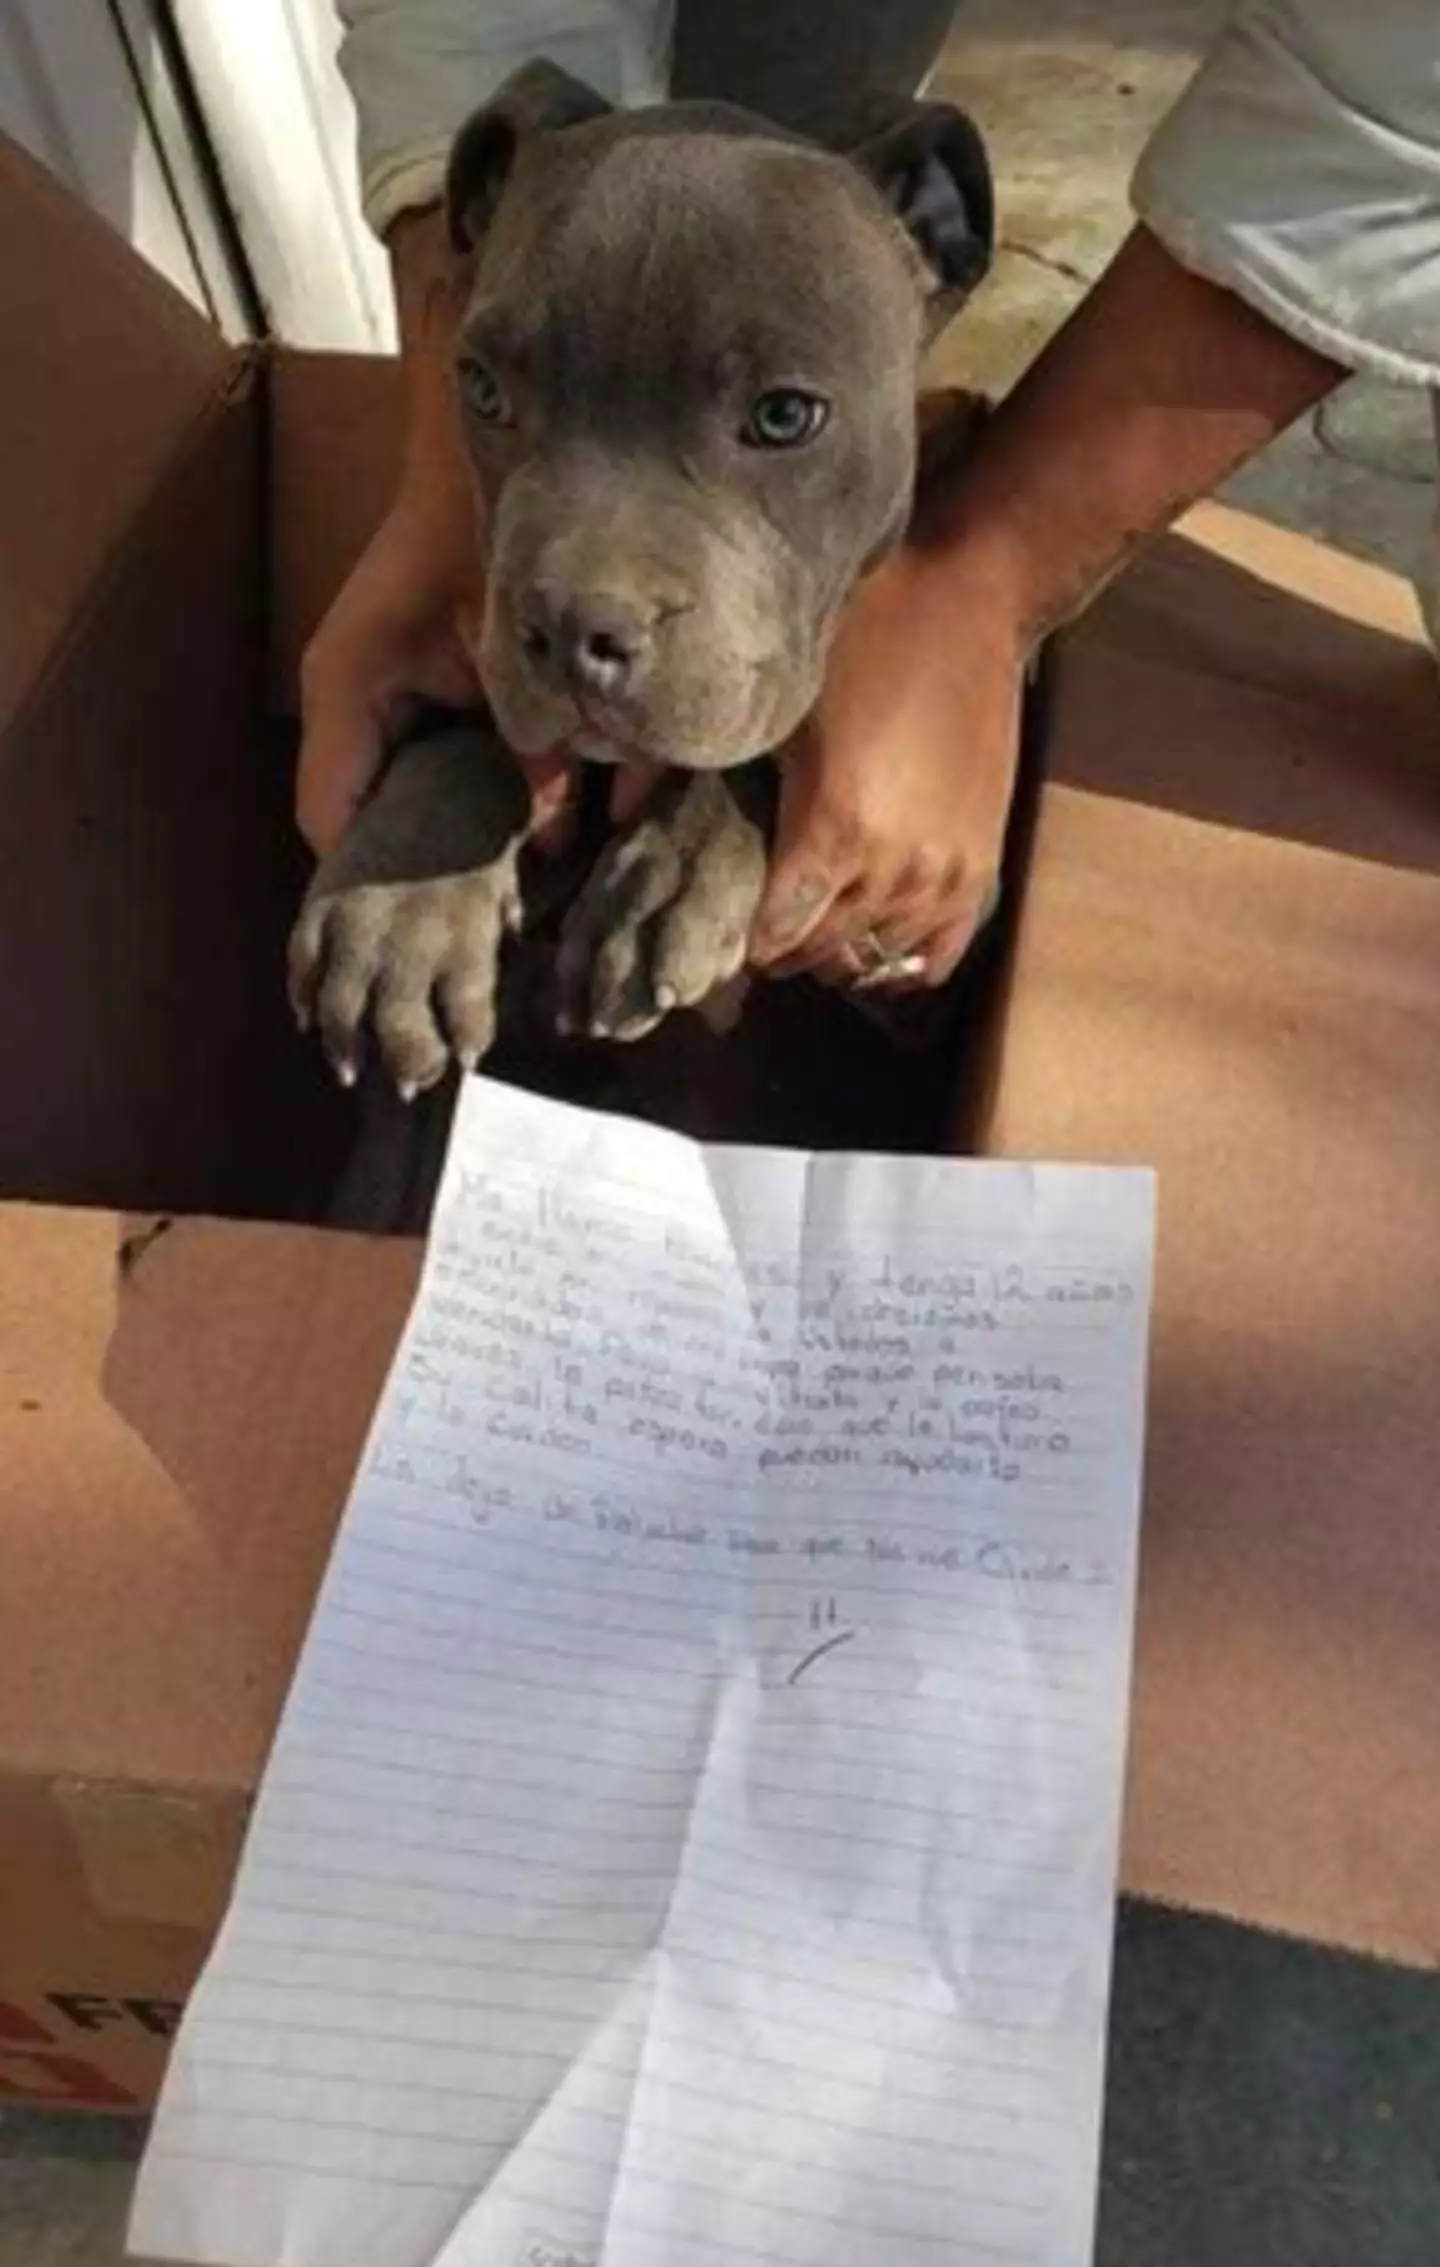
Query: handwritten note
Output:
(691,1836)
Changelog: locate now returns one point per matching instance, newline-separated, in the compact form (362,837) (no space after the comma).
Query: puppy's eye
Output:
(785,417)
(484,394)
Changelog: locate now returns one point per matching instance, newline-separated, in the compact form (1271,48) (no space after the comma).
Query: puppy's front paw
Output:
(665,918)
(420,960)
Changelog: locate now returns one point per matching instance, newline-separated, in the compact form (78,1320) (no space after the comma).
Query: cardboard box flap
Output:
(105,371)
(1325,658)
(1235,984)
(181,1409)
(1261,1023)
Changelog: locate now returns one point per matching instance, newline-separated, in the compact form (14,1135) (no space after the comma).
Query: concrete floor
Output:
(1268,2106)
(1067,92)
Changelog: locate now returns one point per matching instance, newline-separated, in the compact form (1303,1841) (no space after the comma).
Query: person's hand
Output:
(395,636)
(895,792)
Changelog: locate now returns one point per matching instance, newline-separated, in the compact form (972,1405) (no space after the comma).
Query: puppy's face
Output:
(689,370)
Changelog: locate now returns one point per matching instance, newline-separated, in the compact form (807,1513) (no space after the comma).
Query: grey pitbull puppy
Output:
(689,369)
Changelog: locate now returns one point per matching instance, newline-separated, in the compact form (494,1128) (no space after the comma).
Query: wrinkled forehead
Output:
(652,250)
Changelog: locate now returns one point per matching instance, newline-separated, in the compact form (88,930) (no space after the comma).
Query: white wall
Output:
(282,126)
(85,85)
(68,96)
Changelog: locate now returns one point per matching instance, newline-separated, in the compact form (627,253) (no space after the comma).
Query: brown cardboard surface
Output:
(1262,1024)
(1238,987)
(1261,680)
(147,871)
(148,865)
(180,1413)
(99,2047)
(105,372)
(181,1407)
(90,1992)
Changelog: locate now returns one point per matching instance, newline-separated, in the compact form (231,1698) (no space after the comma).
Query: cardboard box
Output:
(1228,964)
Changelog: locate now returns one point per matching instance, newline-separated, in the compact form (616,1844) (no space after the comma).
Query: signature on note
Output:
(543,2251)
(827,1630)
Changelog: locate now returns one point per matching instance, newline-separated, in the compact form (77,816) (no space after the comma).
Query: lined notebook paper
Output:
(691,1836)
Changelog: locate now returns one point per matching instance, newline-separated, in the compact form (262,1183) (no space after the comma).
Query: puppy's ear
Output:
(541,99)
(932,171)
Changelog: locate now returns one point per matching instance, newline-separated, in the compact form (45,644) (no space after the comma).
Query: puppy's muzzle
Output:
(595,646)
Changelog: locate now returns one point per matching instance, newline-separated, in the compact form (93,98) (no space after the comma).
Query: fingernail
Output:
(789,914)
(665,997)
(346,1073)
(407,1089)
(469,1060)
(772,939)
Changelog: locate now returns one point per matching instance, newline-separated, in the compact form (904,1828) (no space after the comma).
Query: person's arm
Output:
(430,283)
(399,629)
(898,790)
(417,68)
(1157,388)
(1289,234)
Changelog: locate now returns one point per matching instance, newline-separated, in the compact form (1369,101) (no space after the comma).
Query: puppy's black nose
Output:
(595,645)
(598,656)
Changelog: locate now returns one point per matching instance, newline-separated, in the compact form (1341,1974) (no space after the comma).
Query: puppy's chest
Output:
(550,881)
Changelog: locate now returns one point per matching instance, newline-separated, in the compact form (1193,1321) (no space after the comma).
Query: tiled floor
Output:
(1269,2107)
